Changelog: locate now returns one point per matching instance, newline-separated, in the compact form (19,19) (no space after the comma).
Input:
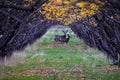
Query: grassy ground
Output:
(44,61)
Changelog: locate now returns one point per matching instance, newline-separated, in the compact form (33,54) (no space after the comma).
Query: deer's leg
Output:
(54,43)
(119,63)
(57,44)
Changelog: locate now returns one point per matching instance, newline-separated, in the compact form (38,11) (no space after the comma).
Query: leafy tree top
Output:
(68,11)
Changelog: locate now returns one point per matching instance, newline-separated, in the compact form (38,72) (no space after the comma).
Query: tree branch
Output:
(18,7)
(112,18)
(12,16)
(4,4)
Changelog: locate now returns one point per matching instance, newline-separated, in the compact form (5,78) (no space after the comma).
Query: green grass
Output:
(43,61)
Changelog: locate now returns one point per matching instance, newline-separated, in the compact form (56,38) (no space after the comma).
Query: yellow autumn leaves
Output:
(68,11)
(87,8)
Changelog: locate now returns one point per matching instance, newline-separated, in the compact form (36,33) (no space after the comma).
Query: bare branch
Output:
(12,16)
(18,7)
(112,18)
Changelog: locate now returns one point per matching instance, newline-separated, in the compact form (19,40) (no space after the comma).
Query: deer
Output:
(58,38)
(62,39)
(65,40)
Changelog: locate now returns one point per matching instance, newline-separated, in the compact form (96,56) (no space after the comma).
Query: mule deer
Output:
(58,38)
(62,40)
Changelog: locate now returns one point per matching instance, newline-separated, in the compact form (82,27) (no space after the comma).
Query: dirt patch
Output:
(76,72)
(50,46)
(106,69)
(42,60)
(62,46)
(37,72)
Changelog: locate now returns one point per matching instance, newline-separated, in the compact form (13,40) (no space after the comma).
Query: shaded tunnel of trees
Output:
(21,24)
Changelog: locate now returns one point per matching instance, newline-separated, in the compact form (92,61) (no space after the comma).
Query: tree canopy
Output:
(68,11)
